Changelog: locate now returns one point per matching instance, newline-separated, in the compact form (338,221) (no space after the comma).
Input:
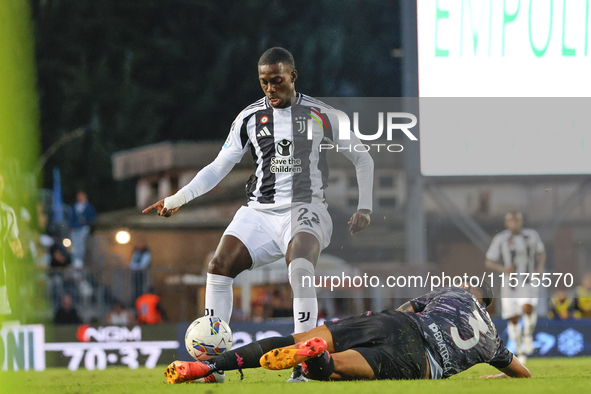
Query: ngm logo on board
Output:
(86,333)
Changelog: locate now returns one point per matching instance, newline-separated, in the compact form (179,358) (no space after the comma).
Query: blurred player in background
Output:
(9,243)
(286,214)
(434,336)
(521,251)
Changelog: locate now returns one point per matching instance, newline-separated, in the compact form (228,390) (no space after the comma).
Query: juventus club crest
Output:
(300,122)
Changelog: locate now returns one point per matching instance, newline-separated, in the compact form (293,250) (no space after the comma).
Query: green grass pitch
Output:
(548,376)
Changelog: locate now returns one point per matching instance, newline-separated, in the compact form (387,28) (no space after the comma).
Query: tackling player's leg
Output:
(245,357)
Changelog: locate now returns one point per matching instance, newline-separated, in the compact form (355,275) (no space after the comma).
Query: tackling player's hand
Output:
(159,207)
(495,376)
(360,220)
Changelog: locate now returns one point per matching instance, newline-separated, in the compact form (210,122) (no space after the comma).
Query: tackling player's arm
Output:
(513,370)
(406,307)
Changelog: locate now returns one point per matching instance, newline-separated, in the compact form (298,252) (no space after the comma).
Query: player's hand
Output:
(509,270)
(159,207)
(360,220)
(495,376)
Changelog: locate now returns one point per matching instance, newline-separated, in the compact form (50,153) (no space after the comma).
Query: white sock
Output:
(529,324)
(305,305)
(219,296)
(514,332)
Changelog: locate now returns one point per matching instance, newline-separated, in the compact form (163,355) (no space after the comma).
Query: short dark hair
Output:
(277,55)
(486,293)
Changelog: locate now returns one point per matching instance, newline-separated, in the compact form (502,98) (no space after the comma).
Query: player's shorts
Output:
(4,306)
(390,342)
(514,306)
(267,233)
(513,299)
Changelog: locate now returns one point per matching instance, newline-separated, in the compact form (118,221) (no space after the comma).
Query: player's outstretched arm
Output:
(161,209)
(406,307)
(204,181)
(513,370)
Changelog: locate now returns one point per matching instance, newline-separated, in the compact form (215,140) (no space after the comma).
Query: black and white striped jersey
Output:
(289,165)
(516,250)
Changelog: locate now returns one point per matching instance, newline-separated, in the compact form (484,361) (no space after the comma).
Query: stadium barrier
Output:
(36,347)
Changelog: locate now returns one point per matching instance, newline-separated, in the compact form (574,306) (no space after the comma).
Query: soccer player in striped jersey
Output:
(286,214)
(522,251)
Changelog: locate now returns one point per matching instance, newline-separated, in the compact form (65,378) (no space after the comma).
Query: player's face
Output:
(513,223)
(277,81)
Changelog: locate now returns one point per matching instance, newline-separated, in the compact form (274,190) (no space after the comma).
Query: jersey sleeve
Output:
(363,162)
(502,357)
(539,244)
(494,250)
(12,232)
(237,142)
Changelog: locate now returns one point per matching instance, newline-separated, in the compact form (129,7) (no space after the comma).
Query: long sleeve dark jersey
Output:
(458,330)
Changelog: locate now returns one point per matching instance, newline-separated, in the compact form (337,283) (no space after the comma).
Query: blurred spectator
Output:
(62,281)
(149,310)
(83,216)
(238,313)
(258,313)
(66,314)
(561,307)
(281,303)
(9,241)
(119,316)
(60,258)
(139,264)
(583,297)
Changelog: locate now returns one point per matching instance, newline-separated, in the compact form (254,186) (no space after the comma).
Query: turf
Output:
(549,376)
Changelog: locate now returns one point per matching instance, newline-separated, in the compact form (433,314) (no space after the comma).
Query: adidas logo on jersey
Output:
(264,132)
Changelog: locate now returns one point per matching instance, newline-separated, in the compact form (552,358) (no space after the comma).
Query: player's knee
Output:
(304,245)
(231,267)
(218,266)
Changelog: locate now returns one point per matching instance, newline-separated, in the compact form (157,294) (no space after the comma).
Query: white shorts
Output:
(267,233)
(4,306)
(512,300)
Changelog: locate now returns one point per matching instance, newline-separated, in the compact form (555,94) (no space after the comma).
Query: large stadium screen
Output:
(510,48)
(504,49)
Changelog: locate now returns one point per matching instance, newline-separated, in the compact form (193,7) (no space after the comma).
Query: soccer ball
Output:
(208,336)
